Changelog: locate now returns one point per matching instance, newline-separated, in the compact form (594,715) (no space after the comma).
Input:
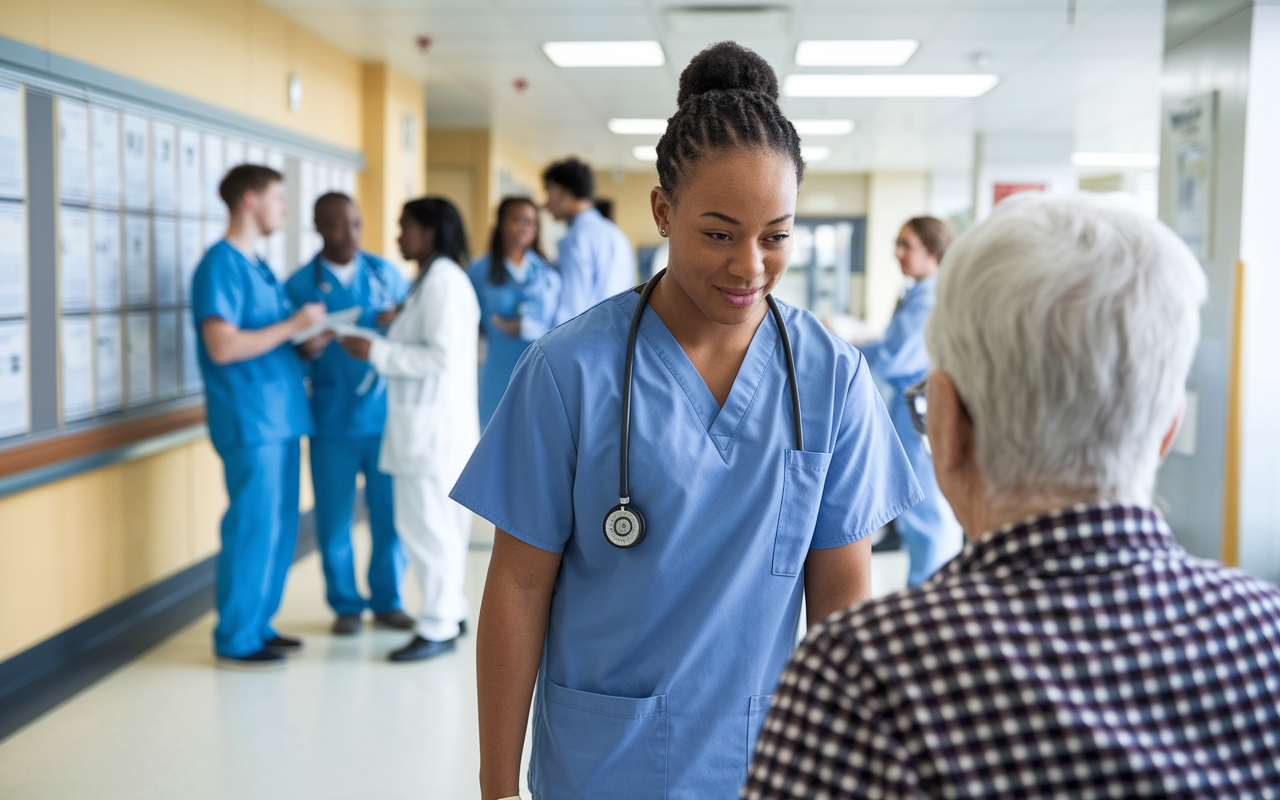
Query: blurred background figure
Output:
(596,259)
(349,404)
(929,530)
(429,359)
(519,294)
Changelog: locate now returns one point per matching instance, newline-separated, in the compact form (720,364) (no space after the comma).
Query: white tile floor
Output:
(339,722)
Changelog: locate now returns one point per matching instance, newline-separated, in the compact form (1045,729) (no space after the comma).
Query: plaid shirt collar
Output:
(1084,538)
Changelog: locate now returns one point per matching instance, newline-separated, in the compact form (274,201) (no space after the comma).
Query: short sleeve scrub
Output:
(660,660)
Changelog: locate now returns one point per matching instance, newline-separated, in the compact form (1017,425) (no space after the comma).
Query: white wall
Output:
(892,199)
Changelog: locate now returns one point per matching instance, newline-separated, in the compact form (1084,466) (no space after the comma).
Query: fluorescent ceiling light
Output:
(823,127)
(889,85)
(638,126)
(644,152)
(815,153)
(605,54)
(855,52)
(1115,159)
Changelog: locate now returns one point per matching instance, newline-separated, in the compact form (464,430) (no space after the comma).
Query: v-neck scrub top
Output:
(660,660)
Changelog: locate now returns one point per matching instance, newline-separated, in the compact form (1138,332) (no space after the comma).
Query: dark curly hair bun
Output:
(727,67)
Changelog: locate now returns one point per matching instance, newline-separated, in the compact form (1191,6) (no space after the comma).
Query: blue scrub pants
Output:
(334,464)
(259,532)
(929,529)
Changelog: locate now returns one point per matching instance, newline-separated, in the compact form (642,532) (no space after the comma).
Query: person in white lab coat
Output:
(429,359)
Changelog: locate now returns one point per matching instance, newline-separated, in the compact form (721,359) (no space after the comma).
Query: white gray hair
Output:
(1067,327)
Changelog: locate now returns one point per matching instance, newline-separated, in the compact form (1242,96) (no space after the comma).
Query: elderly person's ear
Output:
(950,429)
(1171,436)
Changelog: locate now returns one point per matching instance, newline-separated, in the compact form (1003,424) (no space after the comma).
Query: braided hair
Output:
(728,99)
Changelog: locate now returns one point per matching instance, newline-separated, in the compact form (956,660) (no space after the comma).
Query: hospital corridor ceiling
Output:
(1088,68)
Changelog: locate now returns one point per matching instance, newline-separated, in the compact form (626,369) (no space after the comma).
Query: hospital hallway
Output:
(339,721)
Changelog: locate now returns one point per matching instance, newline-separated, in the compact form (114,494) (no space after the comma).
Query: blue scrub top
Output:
(534,300)
(900,358)
(659,660)
(262,399)
(348,398)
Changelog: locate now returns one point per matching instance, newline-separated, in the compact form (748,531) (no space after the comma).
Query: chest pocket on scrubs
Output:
(598,745)
(803,476)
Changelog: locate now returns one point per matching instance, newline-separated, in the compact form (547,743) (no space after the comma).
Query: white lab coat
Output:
(429,357)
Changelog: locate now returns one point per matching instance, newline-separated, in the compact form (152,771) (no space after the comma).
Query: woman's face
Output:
(417,242)
(916,261)
(730,231)
(519,227)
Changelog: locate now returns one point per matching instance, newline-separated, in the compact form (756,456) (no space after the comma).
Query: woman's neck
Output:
(515,255)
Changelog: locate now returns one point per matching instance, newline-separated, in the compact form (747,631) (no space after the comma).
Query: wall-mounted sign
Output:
(1191,130)
(1002,190)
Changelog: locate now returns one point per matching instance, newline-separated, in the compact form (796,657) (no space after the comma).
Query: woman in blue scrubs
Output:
(518,292)
(653,665)
(928,530)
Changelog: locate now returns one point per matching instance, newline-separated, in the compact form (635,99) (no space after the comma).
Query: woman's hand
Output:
(508,325)
(356,346)
(385,318)
(314,347)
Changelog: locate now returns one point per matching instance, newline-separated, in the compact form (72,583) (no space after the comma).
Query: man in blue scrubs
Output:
(257,407)
(596,259)
(349,403)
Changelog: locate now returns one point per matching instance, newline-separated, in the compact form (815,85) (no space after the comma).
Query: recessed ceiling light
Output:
(605,54)
(889,85)
(638,126)
(643,152)
(815,153)
(855,52)
(1115,159)
(823,127)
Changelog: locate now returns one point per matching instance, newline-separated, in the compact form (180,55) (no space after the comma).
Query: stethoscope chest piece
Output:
(624,527)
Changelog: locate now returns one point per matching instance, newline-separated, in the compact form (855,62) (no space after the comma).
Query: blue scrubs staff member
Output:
(929,530)
(258,410)
(518,293)
(349,402)
(596,260)
(653,665)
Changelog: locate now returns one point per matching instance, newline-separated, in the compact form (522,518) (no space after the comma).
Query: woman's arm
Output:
(441,318)
(509,639)
(836,578)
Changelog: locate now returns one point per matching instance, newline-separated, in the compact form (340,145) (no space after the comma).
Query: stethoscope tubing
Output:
(624,467)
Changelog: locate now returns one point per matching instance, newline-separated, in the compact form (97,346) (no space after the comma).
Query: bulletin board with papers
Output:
(131,206)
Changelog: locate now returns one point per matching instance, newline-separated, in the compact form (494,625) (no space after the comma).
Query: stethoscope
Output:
(624,524)
(371,376)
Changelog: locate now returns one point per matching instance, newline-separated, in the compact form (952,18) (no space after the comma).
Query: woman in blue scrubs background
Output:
(518,293)
(653,666)
(929,530)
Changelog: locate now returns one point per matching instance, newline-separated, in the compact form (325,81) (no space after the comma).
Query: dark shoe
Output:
(283,645)
(421,649)
(347,625)
(462,628)
(262,660)
(396,620)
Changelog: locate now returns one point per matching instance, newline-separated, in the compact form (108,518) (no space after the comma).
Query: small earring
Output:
(662,231)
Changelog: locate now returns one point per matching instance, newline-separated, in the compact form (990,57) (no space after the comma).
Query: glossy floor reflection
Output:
(339,722)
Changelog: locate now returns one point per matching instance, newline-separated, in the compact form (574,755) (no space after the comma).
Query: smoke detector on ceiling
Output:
(727,19)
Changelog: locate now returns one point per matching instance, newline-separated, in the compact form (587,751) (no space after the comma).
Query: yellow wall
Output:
(232,53)
(72,548)
(393,172)
(892,199)
(459,167)
(631,209)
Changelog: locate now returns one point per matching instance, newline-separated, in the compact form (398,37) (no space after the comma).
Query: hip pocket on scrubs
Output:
(803,476)
(755,720)
(597,745)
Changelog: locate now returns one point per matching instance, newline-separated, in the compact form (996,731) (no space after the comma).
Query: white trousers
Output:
(435,532)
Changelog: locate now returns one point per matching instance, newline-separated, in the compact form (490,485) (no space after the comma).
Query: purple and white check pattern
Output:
(1080,654)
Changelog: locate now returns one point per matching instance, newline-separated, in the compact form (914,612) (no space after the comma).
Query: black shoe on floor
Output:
(347,625)
(283,645)
(396,620)
(421,649)
(262,660)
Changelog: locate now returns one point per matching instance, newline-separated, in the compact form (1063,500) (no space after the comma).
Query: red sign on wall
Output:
(1003,190)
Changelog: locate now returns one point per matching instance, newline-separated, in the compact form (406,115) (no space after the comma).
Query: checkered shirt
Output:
(1080,654)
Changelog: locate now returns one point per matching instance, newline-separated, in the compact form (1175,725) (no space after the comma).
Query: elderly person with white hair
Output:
(1073,648)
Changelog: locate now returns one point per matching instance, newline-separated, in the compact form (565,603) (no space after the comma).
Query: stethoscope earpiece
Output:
(624,524)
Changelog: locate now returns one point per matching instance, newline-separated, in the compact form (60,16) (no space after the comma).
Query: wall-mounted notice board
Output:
(108,200)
